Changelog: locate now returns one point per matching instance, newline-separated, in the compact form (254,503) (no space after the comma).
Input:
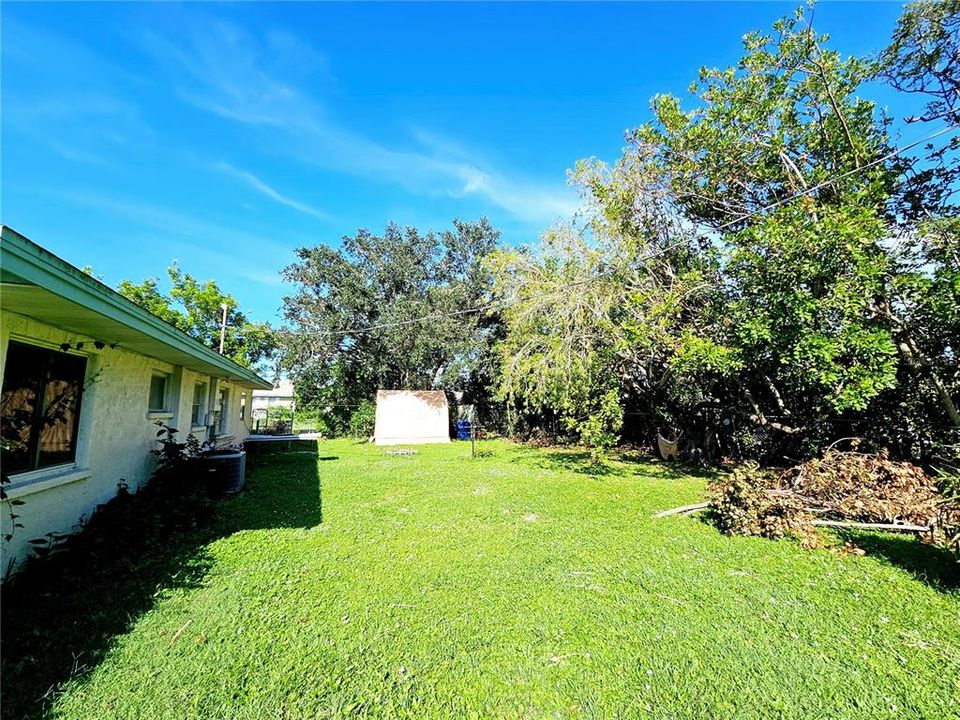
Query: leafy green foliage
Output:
(363,419)
(600,430)
(391,311)
(745,274)
(608,314)
(803,280)
(195,308)
(923,59)
(804,309)
(173,500)
(175,458)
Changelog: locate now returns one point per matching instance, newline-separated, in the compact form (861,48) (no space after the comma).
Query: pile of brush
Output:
(840,489)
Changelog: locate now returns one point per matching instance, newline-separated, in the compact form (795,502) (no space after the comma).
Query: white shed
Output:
(412,417)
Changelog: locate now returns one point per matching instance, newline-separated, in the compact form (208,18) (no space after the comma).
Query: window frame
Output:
(243,407)
(164,409)
(35,470)
(197,408)
(223,406)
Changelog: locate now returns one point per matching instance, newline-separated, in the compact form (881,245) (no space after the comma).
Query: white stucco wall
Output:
(116,433)
(408,417)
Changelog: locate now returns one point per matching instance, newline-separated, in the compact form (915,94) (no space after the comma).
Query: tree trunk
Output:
(909,351)
(913,356)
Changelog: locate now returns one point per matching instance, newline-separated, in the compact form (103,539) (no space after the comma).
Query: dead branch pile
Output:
(837,488)
(747,503)
(863,487)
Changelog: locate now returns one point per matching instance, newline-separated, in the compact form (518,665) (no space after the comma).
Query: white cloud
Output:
(220,68)
(201,231)
(258,184)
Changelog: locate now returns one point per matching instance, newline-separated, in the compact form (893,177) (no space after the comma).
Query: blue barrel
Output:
(463,429)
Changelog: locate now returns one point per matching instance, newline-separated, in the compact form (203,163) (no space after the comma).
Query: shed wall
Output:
(409,417)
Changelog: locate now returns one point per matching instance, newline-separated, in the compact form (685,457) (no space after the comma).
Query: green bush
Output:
(312,422)
(174,501)
(363,419)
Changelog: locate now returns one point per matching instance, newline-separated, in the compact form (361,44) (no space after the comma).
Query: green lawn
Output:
(517,585)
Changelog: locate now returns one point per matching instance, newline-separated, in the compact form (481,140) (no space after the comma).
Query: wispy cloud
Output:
(205,234)
(64,96)
(257,184)
(220,68)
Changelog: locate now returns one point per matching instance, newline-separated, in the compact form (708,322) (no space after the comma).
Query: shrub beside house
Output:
(86,376)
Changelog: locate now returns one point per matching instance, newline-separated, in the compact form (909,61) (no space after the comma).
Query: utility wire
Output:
(505,303)
(831,181)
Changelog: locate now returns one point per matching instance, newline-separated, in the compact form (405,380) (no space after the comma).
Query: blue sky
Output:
(226,135)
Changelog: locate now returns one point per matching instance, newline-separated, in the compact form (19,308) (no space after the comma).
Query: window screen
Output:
(197,415)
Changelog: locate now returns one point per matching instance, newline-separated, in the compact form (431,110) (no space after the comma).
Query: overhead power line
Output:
(842,176)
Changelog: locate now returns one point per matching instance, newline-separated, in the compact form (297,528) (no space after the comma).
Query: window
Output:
(243,406)
(158,393)
(199,401)
(40,407)
(222,410)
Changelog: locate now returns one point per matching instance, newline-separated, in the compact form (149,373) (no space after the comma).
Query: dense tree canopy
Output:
(766,268)
(195,307)
(745,273)
(393,311)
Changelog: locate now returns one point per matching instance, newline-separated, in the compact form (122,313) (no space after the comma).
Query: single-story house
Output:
(87,374)
(280,395)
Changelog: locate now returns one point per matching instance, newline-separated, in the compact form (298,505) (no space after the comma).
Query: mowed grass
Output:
(515,585)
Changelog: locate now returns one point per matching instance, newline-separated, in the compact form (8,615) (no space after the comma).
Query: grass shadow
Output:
(577,460)
(574,460)
(284,491)
(58,626)
(670,469)
(932,565)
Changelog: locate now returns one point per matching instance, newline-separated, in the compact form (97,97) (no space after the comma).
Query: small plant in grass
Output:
(47,545)
(600,429)
(174,457)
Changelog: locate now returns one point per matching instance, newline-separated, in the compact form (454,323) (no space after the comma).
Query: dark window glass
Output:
(199,398)
(158,392)
(222,409)
(40,407)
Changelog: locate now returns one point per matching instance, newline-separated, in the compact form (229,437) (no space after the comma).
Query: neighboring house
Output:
(279,395)
(87,374)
